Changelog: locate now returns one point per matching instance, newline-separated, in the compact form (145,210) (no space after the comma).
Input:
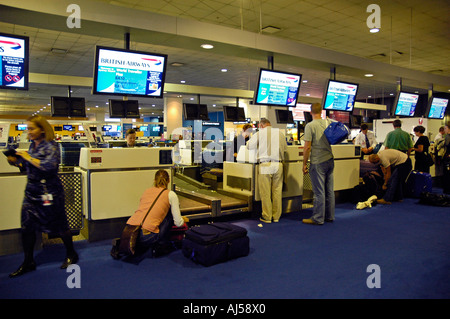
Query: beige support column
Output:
(173,115)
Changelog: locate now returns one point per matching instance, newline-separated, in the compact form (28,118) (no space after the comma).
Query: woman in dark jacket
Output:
(43,204)
(421,150)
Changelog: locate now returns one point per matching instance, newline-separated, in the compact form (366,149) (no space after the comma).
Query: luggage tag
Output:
(47,199)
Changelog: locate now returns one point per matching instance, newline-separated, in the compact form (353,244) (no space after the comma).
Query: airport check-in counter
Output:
(242,176)
(346,166)
(113,183)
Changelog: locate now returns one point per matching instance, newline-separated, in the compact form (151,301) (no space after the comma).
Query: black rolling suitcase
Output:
(215,243)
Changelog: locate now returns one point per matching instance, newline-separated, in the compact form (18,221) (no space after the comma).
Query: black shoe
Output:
(73,259)
(24,268)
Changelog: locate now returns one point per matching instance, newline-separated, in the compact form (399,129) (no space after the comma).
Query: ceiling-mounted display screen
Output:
(284,116)
(63,106)
(127,72)
(233,114)
(405,104)
(15,60)
(277,88)
(340,96)
(436,108)
(194,112)
(123,109)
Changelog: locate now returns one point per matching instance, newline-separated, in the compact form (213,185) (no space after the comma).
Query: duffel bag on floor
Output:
(215,243)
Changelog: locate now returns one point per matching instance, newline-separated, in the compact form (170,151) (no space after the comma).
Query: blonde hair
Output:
(162,179)
(42,123)
(247,126)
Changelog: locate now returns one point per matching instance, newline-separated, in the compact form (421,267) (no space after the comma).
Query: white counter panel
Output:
(115,194)
(11,198)
(346,174)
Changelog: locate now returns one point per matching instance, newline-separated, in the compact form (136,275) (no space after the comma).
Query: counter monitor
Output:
(284,116)
(233,114)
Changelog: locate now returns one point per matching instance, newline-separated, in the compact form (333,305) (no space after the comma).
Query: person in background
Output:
(398,139)
(271,146)
(318,150)
(446,160)
(242,139)
(421,149)
(439,151)
(365,139)
(43,207)
(440,134)
(150,231)
(396,166)
(130,138)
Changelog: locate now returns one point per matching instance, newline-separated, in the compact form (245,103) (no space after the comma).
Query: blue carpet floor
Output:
(287,260)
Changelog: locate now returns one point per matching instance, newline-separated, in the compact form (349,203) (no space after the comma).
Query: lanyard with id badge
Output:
(47,199)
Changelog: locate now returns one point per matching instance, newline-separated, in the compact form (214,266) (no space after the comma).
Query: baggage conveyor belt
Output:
(198,200)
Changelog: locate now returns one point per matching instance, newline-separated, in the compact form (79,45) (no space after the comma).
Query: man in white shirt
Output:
(271,146)
(365,139)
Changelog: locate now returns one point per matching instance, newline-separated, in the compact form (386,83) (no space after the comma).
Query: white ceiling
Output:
(414,35)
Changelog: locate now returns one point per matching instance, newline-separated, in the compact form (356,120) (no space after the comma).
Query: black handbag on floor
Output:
(215,243)
(130,234)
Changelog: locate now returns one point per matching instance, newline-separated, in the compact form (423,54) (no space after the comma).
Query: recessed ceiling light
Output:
(305,81)
(177,64)
(207,46)
(224,70)
(271,29)
(368,75)
(374,30)
(58,51)
(182,81)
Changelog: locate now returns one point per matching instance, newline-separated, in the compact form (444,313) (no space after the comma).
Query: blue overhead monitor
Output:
(277,88)
(127,72)
(340,96)
(436,108)
(405,104)
(14,59)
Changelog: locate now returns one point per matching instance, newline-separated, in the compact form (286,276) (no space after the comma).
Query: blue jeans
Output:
(323,187)
(396,183)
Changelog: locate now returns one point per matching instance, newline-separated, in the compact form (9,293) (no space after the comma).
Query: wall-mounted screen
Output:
(234,114)
(436,107)
(14,62)
(340,96)
(123,108)
(277,88)
(67,127)
(63,106)
(194,112)
(284,116)
(22,127)
(405,104)
(127,72)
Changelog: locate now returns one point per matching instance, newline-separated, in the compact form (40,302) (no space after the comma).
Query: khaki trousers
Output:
(270,183)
